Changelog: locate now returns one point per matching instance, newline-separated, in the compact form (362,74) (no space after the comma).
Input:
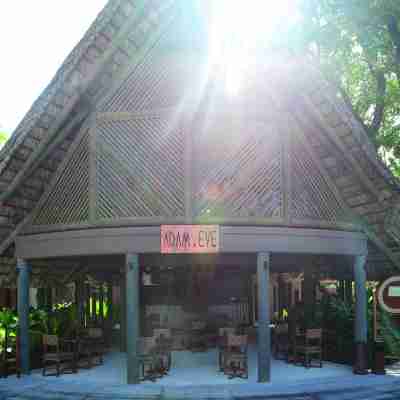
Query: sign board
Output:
(184,239)
(388,295)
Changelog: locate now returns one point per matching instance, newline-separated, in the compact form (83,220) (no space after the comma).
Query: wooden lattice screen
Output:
(68,202)
(139,168)
(162,77)
(237,171)
(310,196)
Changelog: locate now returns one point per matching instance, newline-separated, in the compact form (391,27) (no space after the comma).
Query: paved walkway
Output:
(95,384)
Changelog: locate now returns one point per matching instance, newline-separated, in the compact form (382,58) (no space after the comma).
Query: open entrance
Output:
(193,304)
(202,311)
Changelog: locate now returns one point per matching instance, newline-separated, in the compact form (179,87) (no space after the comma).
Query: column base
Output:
(360,360)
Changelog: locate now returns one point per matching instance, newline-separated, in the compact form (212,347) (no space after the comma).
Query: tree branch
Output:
(380,100)
(394,33)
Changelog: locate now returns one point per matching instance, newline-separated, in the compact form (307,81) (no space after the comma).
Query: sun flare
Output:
(240,28)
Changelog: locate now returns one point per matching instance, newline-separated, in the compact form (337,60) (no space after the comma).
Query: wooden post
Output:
(132,317)
(101,304)
(110,310)
(123,314)
(281,295)
(77,302)
(309,295)
(49,298)
(87,296)
(348,285)
(23,314)
(361,322)
(341,289)
(94,305)
(264,335)
(81,303)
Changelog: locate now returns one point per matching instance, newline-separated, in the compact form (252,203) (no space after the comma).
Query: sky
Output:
(35,38)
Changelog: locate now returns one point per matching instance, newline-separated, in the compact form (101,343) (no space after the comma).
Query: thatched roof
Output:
(92,77)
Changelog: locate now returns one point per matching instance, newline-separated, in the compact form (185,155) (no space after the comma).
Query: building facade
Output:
(139,133)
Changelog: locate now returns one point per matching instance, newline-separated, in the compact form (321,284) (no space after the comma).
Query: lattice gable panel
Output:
(162,79)
(311,197)
(238,172)
(68,201)
(139,168)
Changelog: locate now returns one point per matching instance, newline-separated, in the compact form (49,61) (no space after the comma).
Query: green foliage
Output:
(391,335)
(8,323)
(3,138)
(357,44)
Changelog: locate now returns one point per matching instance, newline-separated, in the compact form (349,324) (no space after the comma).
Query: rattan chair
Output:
(311,348)
(235,357)
(55,353)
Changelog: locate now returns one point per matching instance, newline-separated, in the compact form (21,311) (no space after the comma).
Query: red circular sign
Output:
(389,295)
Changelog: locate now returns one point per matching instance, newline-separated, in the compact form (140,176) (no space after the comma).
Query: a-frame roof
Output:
(123,35)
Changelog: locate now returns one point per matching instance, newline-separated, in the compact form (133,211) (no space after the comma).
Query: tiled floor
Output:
(202,369)
(195,376)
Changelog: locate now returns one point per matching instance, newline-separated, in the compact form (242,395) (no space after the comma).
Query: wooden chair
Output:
(222,344)
(164,348)
(85,354)
(198,338)
(9,357)
(56,353)
(329,345)
(149,360)
(97,343)
(281,342)
(235,357)
(311,347)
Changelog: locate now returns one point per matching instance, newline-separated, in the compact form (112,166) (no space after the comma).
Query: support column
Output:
(87,306)
(348,291)
(81,303)
(95,297)
(49,299)
(23,314)
(361,323)
(341,289)
(309,294)
(101,305)
(132,317)
(122,321)
(109,319)
(264,334)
